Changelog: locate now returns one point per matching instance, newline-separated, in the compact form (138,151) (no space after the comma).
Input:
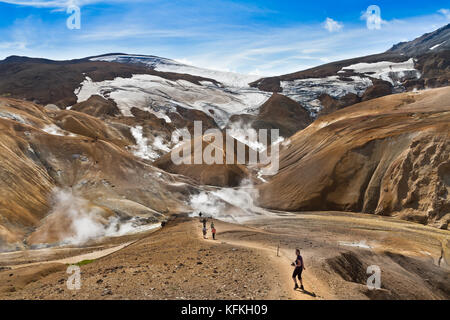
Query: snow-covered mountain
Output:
(338,79)
(228,94)
(231,93)
(228,79)
(436,41)
(156,96)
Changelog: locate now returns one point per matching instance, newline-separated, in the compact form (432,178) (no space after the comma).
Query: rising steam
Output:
(227,204)
(75,220)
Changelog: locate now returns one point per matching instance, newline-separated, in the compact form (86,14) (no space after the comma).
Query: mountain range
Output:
(367,134)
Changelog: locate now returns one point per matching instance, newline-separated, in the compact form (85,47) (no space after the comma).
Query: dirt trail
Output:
(177,263)
(75,259)
(281,264)
(338,247)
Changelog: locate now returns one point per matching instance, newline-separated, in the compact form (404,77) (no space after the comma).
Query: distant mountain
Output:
(172,95)
(156,84)
(421,63)
(48,81)
(435,41)
(229,79)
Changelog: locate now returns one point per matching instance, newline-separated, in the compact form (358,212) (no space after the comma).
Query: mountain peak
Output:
(438,40)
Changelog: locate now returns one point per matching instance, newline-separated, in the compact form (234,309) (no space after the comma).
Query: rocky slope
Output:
(435,41)
(388,156)
(58,167)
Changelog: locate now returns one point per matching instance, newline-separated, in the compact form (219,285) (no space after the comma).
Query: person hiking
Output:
(213,230)
(299,267)
(203,221)
(204,232)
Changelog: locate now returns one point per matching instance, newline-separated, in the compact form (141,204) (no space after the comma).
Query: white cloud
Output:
(445,12)
(43,4)
(332,25)
(256,72)
(13,45)
(59,3)
(125,33)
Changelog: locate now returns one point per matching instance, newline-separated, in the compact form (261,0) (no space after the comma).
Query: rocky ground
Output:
(253,262)
(174,264)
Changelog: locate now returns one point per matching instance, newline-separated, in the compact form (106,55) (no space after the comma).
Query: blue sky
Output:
(263,37)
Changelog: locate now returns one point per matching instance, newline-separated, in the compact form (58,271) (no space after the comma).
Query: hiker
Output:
(299,267)
(213,230)
(204,220)
(204,232)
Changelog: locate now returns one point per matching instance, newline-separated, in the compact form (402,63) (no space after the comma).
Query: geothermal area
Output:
(361,179)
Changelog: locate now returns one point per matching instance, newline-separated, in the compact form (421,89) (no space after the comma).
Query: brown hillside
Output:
(35,163)
(279,112)
(222,175)
(388,156)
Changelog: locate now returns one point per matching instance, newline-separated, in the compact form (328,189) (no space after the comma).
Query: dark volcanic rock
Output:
(439,40)
(279,112)
(184,118)
(435,68)
(331,104)
(97,106)
(380,88)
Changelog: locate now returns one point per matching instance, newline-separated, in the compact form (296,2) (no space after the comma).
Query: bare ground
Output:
(177,263)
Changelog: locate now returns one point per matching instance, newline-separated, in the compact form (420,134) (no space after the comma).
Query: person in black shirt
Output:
(299,267)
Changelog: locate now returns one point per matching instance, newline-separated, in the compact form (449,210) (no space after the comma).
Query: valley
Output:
(362,179)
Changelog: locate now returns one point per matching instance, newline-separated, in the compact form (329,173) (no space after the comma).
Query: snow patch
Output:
(437,46)
(307,91)
(56,131)
(229,79)
(12,116)
(148,92)
(242,133)
(393,72)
